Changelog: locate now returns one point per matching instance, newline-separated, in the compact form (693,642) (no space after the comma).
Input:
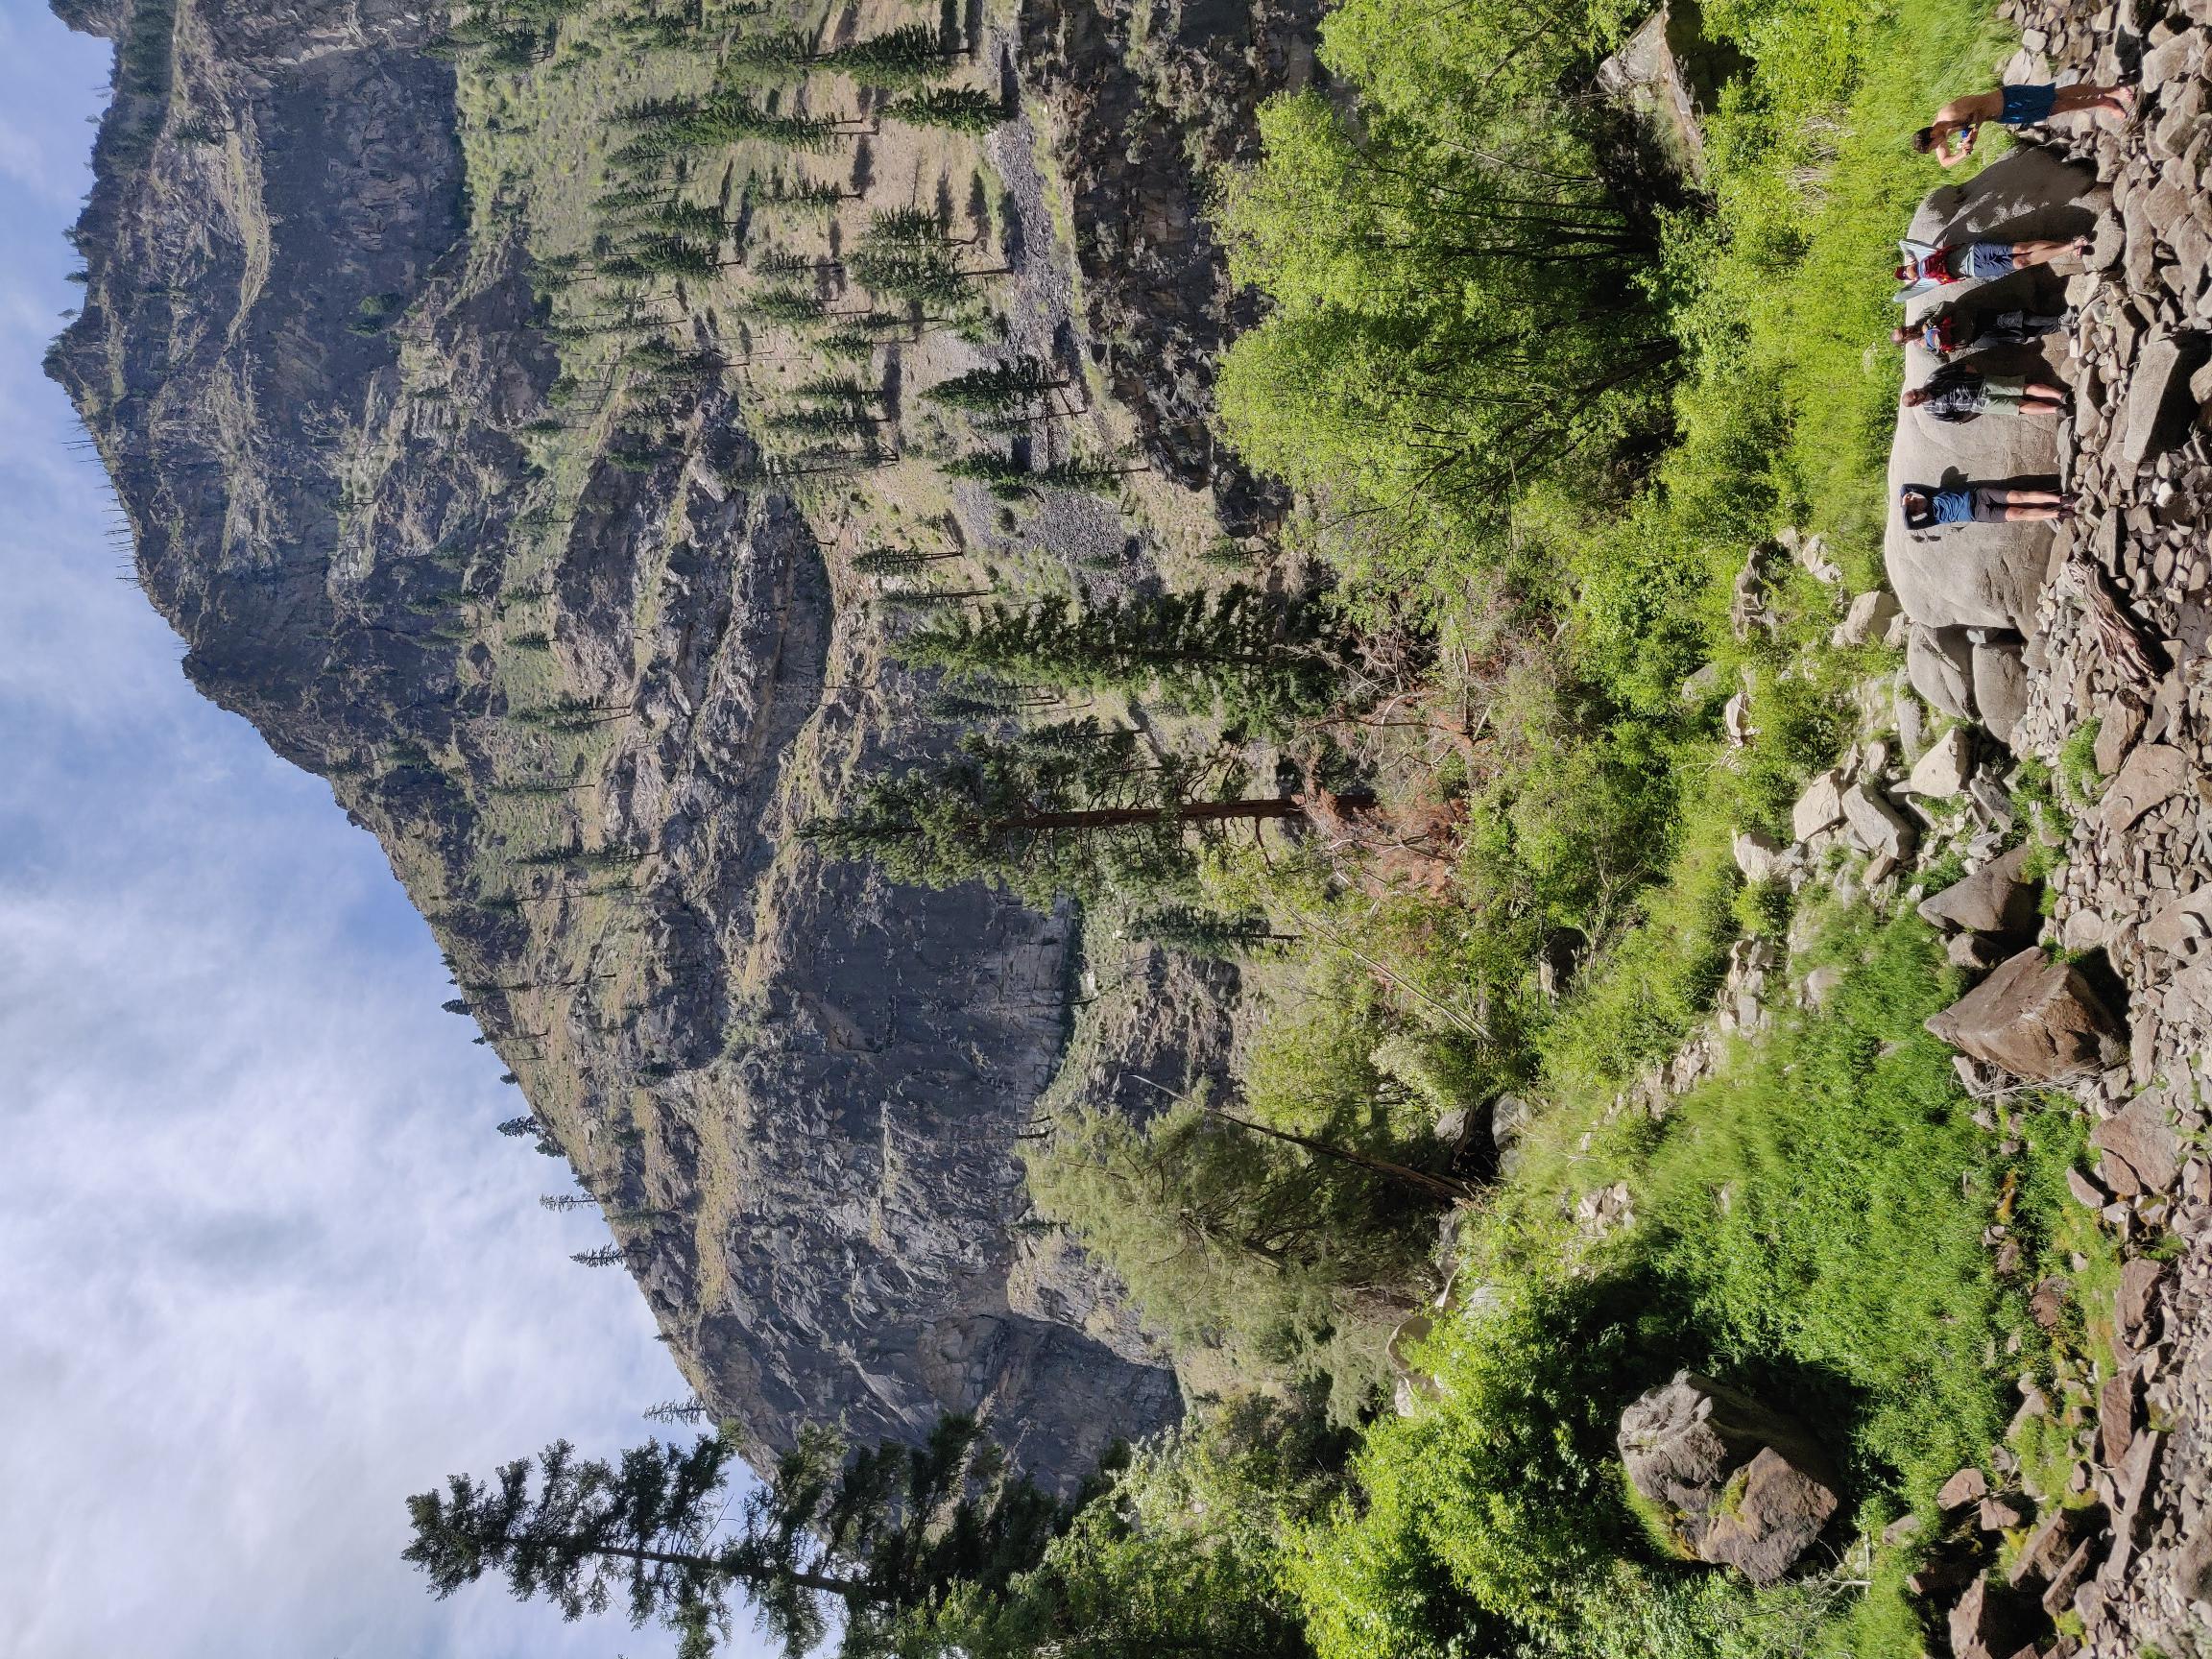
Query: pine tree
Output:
(784,304)
(1002,476)
(821,422)
(904,57)
(798,195)
(563,1202)
(676,1411)
(905,228)
(1001,387)
(1252,657)
(606,1256)
(955,109)
(1069,808)
(897,561)
(1204,932)
(880,1533)
(926,277)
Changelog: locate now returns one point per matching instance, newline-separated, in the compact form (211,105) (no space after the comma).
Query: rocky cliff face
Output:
(583,722)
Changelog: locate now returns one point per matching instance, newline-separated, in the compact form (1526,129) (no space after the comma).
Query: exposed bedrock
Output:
(794,1088)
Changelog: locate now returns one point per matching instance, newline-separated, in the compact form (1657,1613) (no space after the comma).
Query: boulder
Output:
(1996,899)
(2033,1018)
(2158,405)
(1987,575)
(1867,621)
(1990,1622)
(1876,827)
(2000,689)
(1969,1485)
(2145,1146)
(2179,927)
(1820,807)
(1942,772)
(1759,855)
(2152,774)
(1939,662)
(1745,1486)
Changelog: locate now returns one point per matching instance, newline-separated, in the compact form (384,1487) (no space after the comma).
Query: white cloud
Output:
(264,1266)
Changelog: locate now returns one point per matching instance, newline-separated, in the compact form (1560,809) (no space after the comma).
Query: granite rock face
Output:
(795,1088)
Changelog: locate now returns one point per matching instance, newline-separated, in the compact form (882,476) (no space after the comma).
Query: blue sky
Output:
(265,1268)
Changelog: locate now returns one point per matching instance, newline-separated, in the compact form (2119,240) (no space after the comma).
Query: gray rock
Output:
(1994,898)
(1820,807)
(2000,689)
(1866,620)
(1939,662)
(2152,774)
(1745,1486)
(2179,927)
(1941,774)
(1759,855)
(2157,398)
(2036,1018)
(1875,827)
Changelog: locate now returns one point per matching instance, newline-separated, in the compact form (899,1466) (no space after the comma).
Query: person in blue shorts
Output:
(1930,507)
(1950,136)
(1975,261)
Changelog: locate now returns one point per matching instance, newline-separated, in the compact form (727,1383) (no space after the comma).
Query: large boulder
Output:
(1939,662)
(1996,899)
(1745,1486)
(1984,575)
(2000,689)
(2036,1018)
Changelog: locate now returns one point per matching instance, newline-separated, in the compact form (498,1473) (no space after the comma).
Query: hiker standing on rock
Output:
(1936,267)
(1928,507)
(1950,136)
(1958,393)
(1952,329)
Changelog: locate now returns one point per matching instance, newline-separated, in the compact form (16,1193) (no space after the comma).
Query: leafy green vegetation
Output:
(1460,810)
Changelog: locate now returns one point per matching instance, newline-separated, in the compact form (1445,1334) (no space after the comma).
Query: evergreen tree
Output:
(905,57)
(1204,932)
(957,110)
(821,422)
(905,228)
(1254,657)
(798,195)
(563,1202)
(883,1534)
(794,307)
(897,561)
(1011,385)
(1069,808)
(924,277)
(1002,476)
(832,392)
(606,1256)
(676,1411)
(791,264)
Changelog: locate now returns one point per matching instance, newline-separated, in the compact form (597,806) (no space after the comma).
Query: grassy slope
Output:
(1811,1222)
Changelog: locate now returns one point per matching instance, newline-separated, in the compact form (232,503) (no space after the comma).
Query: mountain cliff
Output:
(583,698)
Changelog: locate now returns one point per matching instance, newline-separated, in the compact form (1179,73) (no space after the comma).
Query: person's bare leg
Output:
(2028,254)
(2098,101)
(2023,514)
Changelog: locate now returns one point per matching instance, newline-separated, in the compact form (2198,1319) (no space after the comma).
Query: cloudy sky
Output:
(264,1266)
